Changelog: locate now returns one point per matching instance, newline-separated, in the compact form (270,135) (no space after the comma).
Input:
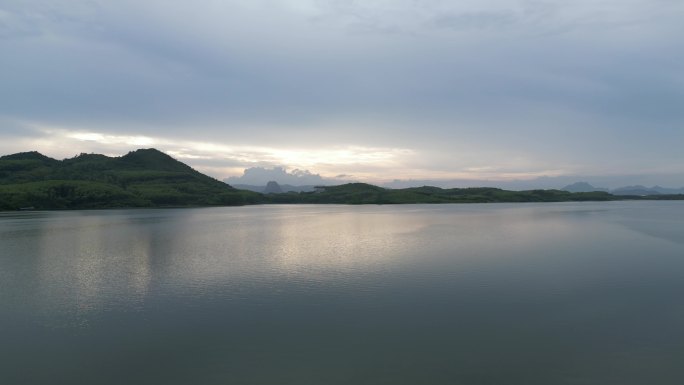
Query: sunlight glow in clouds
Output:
(377,89)
(330,160)
(359,163)
(112,139)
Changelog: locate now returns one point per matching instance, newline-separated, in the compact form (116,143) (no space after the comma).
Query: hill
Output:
(150,178)
(361,193)
(635,190)
(582,187)
(141,178)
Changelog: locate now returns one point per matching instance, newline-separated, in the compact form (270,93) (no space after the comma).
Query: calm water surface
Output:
(570,293)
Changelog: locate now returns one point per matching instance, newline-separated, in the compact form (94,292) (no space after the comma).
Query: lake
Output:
(505,294)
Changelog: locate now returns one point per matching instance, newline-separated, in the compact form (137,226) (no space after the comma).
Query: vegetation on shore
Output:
(361,193)
(142,178)
(150,178)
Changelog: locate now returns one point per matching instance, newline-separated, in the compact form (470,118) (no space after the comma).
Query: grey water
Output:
(566,293)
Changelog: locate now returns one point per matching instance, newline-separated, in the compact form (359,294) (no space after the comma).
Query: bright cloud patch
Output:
(227,158)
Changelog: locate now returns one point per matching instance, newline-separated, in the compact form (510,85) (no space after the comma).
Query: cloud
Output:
(476,20)
(219,160)
(259,176)
(368,88)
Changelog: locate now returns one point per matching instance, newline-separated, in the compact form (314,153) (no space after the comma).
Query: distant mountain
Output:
(259,176)
(142,178)
(635,190)
(283,187)
(546,182)
(666,190)
(150,178)
(582,187)
(272,187)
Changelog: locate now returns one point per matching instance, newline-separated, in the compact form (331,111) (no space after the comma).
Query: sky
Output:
(372,90)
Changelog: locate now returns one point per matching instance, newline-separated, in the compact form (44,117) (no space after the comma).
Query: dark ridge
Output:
(142,178)
(151,178)
(150,157)
(30,155)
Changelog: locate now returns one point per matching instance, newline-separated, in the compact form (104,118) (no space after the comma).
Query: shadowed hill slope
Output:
(142,178)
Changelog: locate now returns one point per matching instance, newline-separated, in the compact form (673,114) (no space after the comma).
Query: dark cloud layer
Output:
(528,86)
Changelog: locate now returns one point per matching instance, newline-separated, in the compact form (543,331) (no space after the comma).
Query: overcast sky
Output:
(372,90)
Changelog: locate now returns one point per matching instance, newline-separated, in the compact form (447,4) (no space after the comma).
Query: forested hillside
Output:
(142,178)
(150,178)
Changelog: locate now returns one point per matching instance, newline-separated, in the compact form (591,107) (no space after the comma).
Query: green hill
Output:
(150,178)
(361,193)
(142,178)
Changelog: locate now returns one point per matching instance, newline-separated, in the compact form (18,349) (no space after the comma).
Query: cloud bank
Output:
(259,176)
(377,89)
